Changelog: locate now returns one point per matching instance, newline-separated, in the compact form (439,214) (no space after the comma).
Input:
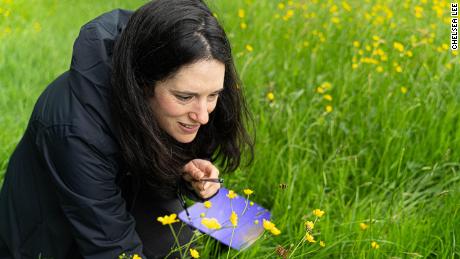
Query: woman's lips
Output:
(188,128)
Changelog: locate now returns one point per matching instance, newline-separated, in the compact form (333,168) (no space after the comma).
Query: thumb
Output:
(192,170)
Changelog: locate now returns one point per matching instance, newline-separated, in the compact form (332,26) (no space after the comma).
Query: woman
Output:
(150,102)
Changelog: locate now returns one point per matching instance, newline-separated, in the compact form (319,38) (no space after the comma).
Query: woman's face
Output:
(182,103)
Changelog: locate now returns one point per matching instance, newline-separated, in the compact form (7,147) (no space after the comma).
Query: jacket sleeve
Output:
(84,178)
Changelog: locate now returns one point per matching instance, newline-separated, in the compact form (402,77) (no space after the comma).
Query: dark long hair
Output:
(161,37)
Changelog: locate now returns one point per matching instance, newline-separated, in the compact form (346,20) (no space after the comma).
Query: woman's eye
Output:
(213,96)
(183,98)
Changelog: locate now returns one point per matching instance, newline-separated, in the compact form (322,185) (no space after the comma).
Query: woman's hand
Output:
(198,169)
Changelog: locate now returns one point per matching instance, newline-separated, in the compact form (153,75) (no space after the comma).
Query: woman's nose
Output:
(200,113)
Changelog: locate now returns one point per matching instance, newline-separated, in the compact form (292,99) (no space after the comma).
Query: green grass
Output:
(388,159)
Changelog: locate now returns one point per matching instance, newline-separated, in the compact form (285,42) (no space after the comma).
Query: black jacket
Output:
(63,193)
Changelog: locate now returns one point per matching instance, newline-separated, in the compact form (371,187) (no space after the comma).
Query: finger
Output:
(187,177)
(191,169)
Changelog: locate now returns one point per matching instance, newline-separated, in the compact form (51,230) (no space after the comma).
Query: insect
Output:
(282,186)
(281,251)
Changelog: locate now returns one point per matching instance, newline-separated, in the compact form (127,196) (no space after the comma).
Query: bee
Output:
(282,186)
(281,251)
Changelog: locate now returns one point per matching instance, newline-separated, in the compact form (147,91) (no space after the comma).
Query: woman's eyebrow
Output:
(193,93)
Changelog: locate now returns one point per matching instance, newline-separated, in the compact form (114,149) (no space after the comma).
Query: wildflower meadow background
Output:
(356,106)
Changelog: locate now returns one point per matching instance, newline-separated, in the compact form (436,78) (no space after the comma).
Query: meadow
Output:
(356,105)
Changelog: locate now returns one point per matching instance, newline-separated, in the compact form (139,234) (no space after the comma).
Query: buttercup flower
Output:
(363,226)
(234,219)
(275,231)
(207,204)
(309,225)
(322,244)
(166,220)
(270,96)
(319,213)
(403,89)
(194,253)
(375,245)
(136,256)
(211,223)
(241,13)
(398,46)
(268,225)
(231,194)
(248,191)
(310,238)
(249,48)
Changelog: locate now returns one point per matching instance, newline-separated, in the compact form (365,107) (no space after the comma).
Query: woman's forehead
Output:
(200,77)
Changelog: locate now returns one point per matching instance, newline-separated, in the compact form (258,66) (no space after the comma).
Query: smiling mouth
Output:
(188,126)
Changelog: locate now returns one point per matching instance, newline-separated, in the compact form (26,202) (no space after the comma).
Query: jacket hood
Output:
(91,66)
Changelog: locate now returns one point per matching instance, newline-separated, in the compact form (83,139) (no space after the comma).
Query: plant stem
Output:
(176,239)
(231,240)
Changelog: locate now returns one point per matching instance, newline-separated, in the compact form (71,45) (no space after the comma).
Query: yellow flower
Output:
(241,13)
(248,191)
(322,244)
(202,215)
(309,225)
(136,256)
(211,223)
(375,245)
(398,69)
(398,46)
(418,11)
(403,89)
(363,226)
(270,96)
(251,203)
(356,44)
(275,231)
(37,27)
(320,90)
(379,69)
(329,108)
(194,253)
(231,194)
(310,238)
(207,204)
(249,48)
(281,6)
(354,66)
(346,6)
(335,20)
(376,38)
(327,97)
(243,26)
(267,224)
(166,220)
(234,219)
(409,53)
(333,9)
(326,85)
(317,212)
